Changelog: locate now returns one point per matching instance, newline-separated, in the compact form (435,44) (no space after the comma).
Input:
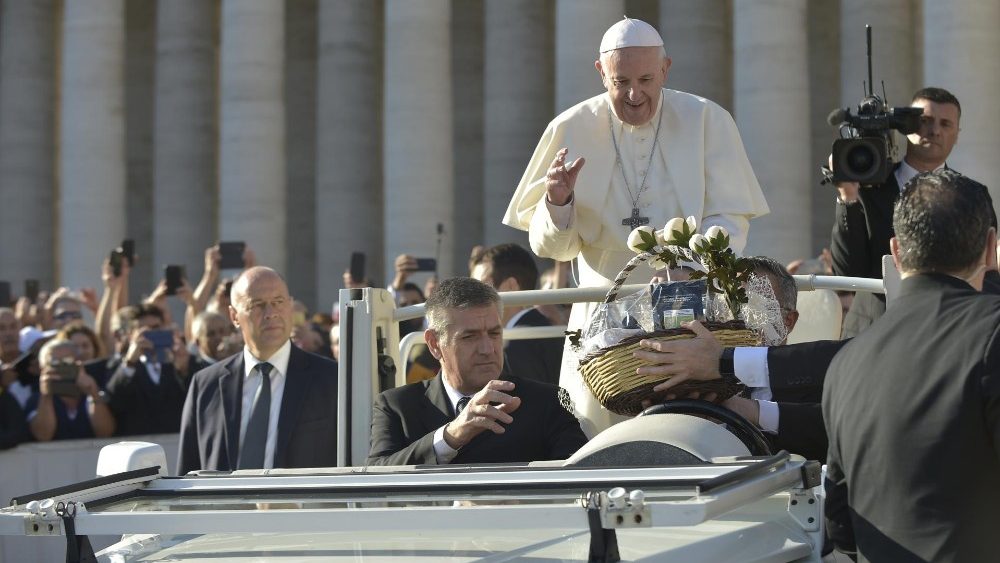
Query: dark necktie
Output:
(462,403)
(255,440)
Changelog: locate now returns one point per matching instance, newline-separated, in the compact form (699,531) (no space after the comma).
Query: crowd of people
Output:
(248,376)
(78,364)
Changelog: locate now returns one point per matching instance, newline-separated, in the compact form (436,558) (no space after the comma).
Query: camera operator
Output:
(863,220)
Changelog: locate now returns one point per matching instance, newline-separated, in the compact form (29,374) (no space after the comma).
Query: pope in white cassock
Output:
(642,154)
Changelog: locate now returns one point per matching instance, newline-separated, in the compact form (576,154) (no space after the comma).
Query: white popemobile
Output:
(660,487)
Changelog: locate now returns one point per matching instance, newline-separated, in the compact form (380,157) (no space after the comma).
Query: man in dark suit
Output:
(271,405)
(863,219)
(913,408)
(145,394)
(509,267)
(468,413)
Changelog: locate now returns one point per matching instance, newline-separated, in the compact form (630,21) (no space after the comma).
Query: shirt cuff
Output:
(750,365)
(442,451)
(768,417)
(128,370)
(561,215)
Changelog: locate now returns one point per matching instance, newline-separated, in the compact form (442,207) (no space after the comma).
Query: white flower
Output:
(635,238)
(675,224)
(715,231)
(696,241)
(660,240)
(692,223)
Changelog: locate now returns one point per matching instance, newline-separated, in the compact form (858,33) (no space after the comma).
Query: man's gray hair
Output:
(51,346)
(457,293)
(785,290)
(201,321)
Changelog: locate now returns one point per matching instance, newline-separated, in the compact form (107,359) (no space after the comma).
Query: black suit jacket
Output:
(404,420)
(860,238)
(797,372)
(537,358)
(912,410)
(307,423)
(141,406)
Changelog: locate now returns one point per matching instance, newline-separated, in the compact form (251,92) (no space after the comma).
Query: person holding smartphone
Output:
(147,390)
(69,404)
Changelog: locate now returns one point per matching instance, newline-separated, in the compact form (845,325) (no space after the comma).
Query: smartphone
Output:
(31,290)
(115,259)
(5,294)
(163,343)
(358,266)
(232,255)
(66,385)
(128,251)
(426,265)
(174,275)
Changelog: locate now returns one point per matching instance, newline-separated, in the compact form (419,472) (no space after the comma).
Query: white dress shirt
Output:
(442,451)
(251,387)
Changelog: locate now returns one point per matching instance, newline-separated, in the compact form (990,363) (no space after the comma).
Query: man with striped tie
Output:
(270,405)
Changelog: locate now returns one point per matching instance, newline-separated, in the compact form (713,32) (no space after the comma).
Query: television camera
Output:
(865,151)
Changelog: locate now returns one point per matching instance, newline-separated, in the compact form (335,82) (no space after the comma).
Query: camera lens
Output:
(861,160)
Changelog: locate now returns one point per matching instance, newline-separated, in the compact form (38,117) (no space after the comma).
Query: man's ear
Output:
(894,249)
(991,259)
(791,317)
(433,344)
(233,318)
(666,66)
(509,284)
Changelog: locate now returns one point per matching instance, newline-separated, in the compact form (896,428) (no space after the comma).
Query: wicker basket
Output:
(610,373)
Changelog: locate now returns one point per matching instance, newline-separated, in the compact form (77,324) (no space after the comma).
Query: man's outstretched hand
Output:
(691,359)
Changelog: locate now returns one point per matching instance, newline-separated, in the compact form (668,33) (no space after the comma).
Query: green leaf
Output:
(648,238)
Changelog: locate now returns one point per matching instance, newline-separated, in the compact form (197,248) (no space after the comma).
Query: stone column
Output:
(91,138)
(300,150)
(184,163)
(252,128)
(824,76)
(27,102)
(467,84)
(518,103)
(698,39)
(579,27)
(960,54)
(892,24)
(140,214)
(417,131)
(771,105)
(348,185)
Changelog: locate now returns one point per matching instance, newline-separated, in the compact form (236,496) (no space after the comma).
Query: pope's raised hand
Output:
(561,178)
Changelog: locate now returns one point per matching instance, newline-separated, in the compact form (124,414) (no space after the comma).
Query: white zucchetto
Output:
(630,33)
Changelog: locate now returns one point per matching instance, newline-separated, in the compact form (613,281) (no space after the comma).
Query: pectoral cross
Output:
(634,221)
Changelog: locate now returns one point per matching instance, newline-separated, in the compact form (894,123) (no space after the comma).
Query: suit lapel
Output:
(298,381)
(231,386)
(437,410)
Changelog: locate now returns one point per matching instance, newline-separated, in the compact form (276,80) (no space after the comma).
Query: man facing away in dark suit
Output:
(912,408)
(271,405)
(863,219)
(509,267)
(468,413)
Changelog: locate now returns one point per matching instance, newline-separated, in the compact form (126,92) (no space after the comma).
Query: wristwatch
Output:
(727,368)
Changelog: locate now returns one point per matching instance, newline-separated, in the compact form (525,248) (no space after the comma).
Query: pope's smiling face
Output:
(634,77)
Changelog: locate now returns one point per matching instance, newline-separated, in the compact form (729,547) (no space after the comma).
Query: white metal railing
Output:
(809,282)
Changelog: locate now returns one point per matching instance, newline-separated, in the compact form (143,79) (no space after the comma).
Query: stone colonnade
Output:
(311,129)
